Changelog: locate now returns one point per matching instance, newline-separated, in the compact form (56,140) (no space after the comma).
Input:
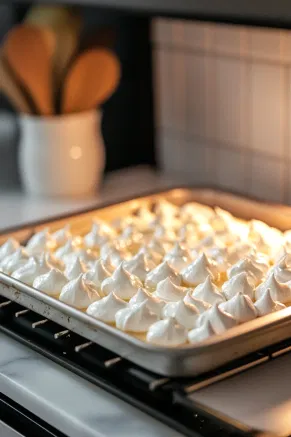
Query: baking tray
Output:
(188,360)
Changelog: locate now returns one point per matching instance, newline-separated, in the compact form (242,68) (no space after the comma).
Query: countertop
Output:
(64,400)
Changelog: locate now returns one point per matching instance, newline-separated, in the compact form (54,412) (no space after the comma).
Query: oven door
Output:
(16,421)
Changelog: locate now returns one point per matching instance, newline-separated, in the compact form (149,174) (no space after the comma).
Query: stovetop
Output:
(167,399)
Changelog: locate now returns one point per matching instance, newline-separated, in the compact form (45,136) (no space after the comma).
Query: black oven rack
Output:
(164,398)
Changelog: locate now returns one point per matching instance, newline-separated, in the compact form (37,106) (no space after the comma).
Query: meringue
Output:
(74,269)
(100,234)
(79,293)
(168,291)
(249,266)
(266,304)
(156,247)
(279,291)
(87,256)
(167,333)
(202,333)
(139,266)
(283,269)
(178,257)
(106,308)
(62,235)
(240,307)
(185,314)
(116,256)
(31,269)
(219,319)
(136,318)
(201,305)
(51,282)
(67,249)
(14,261)
(122,283)
(40,242)
(208,292)
(97,273)
(154,304)
(9,247)
(239,283)
(161,272)
(199,270)
(52,260)
(282,252)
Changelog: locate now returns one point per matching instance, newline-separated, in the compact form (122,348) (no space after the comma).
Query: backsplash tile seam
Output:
(187,50)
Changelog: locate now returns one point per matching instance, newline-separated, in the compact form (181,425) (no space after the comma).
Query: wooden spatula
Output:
(12,90)
(29,51)
(92,78)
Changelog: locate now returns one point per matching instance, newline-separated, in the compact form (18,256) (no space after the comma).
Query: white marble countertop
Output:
(62,399)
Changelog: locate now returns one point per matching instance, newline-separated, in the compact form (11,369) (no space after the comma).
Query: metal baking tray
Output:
(188,360)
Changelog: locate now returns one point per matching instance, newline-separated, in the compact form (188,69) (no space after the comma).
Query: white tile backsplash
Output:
(196,102)
(267,109)
(229,39)
(267,178)
(231,169)
(224,102)
(231,106)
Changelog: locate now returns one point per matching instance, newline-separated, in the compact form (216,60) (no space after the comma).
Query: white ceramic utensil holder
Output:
(62,155)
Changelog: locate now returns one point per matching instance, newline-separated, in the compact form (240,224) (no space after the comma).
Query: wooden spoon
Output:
(92,79)
(66,23)
(29,52)
(12,90)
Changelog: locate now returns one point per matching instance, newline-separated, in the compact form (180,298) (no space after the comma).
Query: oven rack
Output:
(164,398)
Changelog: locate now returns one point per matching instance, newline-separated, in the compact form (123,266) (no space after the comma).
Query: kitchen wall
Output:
(223,109)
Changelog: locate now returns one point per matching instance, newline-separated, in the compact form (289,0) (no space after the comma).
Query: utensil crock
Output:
(62,155)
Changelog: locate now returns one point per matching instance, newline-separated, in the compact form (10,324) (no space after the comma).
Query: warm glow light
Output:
(76,152)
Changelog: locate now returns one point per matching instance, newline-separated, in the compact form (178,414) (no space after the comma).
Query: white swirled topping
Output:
(283,269)
(240,283)
(51,260)
(168,291)
(279,291)
(178,257)
(40,242)
(79,293)
(106,308)
(163,233)
(139,266)
(199,270)
(240,307)
(154,304)
(219,319)
(220,256)
(248,265)
(14,261)
(208,292)
(62,235)
(204,332)
(67,249)
(157,247)
(122,283)
(135,318)
(201,305)
(282,252)
(51,282)
(87,256)
(97,273)
(239,251)
(74,269)
(100,234)
(9,247)
(266,304)
(161,272)
(185,314)
(167,333)
(115,257)
(31,269)
(149,255)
